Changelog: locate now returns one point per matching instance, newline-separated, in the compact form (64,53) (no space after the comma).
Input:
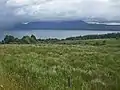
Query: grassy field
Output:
(61,67)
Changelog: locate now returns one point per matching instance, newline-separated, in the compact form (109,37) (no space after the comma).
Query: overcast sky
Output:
(12,11)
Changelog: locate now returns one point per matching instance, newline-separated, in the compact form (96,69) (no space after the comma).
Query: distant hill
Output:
(65,25)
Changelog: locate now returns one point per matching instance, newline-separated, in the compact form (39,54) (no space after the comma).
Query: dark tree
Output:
(33,39)
(8,39)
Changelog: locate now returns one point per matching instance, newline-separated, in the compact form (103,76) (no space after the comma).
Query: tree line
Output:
(99,36)
(9,39)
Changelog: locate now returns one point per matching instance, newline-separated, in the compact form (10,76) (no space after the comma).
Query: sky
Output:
(14,11)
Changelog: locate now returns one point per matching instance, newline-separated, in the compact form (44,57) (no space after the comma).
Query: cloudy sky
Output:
(12,11)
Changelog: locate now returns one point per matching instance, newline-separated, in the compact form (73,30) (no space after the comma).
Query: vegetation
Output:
(101,36)
(84,66)
(33,40)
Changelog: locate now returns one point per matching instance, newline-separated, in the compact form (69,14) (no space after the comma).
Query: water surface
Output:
(51,33)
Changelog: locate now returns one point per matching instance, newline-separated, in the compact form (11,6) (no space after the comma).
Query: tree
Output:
(8,39)
(33,39)
(26,40)
(29,40)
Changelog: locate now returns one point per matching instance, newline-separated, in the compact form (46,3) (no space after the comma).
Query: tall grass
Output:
(60,67)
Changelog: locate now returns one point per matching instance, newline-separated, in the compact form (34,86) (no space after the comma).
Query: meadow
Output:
(78,65)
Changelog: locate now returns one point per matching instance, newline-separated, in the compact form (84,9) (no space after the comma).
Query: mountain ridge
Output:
(65,25)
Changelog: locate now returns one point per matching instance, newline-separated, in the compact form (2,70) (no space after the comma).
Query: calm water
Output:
(51,33)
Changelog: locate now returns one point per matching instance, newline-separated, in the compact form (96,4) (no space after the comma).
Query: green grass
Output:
(50,66)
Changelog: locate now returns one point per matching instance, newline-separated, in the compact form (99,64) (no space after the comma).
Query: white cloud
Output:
(56,8)
(19,10)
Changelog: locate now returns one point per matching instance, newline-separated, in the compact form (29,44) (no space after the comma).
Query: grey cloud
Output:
(13,11)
